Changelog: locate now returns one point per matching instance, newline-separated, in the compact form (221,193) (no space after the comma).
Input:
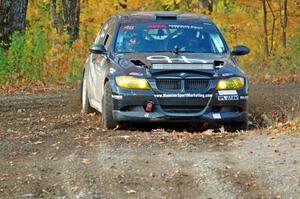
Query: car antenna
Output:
(176,50)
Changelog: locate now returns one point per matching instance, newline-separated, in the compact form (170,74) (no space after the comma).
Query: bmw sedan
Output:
(164,66)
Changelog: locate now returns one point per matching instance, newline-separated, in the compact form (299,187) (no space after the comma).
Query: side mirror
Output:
(240,50)
(97,49)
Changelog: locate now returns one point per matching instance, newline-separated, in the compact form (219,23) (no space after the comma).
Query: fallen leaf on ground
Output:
(125,136)
(208,132)
(131,191)
(86,161)
(37,142)
(4,177)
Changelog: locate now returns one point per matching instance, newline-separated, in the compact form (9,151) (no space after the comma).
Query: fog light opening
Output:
(149,106)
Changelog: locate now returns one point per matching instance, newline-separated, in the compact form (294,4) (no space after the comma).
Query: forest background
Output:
(45,42)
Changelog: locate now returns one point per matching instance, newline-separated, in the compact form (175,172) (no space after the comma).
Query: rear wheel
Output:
(85,104)
(107,108)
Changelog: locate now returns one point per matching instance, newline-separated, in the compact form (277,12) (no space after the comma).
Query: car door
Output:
(101,61)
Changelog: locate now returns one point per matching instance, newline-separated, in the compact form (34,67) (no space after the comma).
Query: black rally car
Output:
(164,66)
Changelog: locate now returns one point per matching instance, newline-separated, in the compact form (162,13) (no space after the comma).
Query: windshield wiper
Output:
(172,51)
(187,51)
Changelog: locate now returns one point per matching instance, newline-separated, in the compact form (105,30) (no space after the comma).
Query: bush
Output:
(36,53)
(16,65)
(2,64)
(24,60)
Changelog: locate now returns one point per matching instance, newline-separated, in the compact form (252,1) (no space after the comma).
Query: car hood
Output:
(138,63)
(151,58)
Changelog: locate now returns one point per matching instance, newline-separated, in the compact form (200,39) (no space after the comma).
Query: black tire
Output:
(85,104)
(238,126)
(107,108)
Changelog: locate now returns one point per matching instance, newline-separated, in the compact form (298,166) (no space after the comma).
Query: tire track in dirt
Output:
(165,173)
(247,185)
(265,167)
(50,150)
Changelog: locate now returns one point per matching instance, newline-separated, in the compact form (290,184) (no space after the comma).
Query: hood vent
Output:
(138,62)
(218,64)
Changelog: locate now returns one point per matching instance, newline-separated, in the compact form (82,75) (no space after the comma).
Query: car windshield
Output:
(200,37)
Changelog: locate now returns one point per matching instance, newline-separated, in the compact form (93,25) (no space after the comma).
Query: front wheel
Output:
(85,104)
(238,126)
(107,108)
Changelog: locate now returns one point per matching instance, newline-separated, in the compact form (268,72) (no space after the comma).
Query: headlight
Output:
(132,82)
(230,83)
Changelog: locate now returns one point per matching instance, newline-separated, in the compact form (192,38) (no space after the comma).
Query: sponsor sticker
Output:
(227,74)
(156,26)
(216,115)
(136,74)
(117,97)
(228,98)
(179,95)
(128,27)
(112,70)
(228,92)
(102,60)
(186,27)
(176,26)
(243,97)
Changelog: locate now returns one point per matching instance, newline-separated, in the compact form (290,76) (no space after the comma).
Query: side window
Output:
(217,43)
(107,41)
(111,28)
(102,34)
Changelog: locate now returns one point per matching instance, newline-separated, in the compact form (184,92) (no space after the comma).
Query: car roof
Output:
(161,15)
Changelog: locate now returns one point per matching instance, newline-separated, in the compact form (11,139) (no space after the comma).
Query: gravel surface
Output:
(48,149)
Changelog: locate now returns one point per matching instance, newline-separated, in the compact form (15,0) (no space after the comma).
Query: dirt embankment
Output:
(49,150)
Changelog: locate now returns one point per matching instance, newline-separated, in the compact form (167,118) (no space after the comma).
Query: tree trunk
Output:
(273,26)
(54,17)
(283,21)
(12,17)
(70,16)
(207,4)
(65,17)
(266,45)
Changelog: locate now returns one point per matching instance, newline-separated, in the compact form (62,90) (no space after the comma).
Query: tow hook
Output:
(149,106)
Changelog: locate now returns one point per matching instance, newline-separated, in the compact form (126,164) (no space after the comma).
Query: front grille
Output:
(168,84)
(175,84)
(197,84)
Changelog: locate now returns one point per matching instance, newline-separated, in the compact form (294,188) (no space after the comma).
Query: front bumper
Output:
(214,107)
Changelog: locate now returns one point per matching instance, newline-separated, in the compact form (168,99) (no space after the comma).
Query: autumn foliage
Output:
(48,55)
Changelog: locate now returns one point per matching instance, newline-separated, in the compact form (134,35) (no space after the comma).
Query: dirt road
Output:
(49,150)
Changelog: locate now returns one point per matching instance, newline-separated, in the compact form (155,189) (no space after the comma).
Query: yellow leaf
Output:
(38,142)
(131,191)
(86,161)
